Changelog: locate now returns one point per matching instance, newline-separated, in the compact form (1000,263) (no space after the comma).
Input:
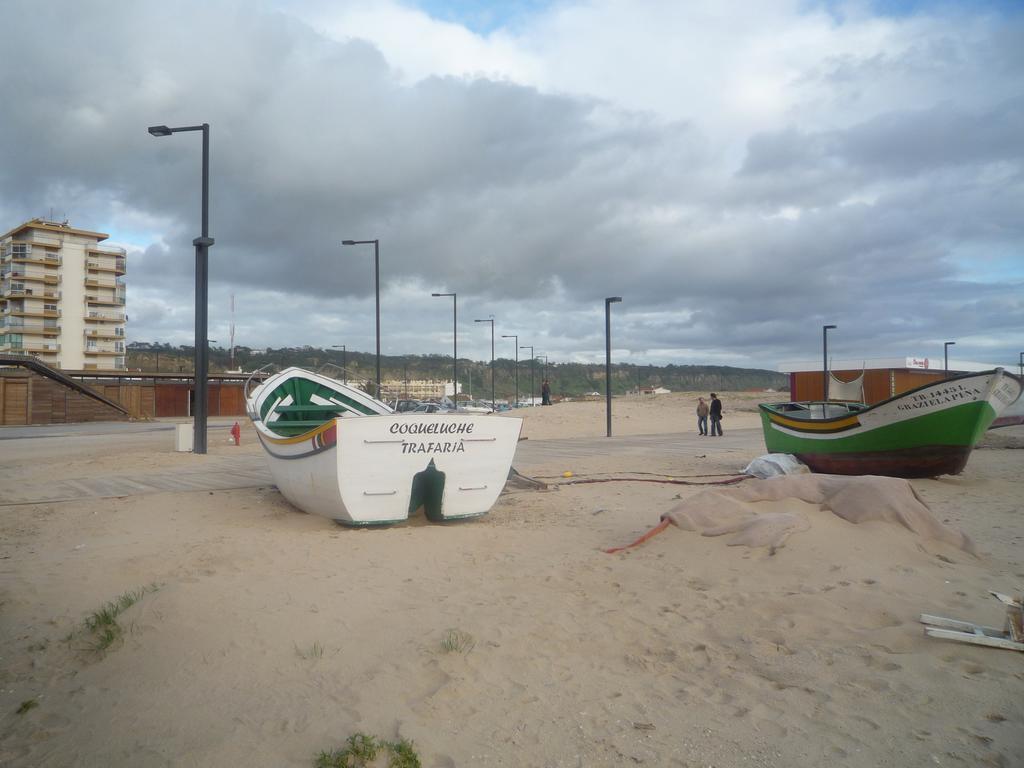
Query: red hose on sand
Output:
(729,481)
(649,535)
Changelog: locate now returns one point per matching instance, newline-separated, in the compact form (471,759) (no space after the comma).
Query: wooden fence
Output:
(27,397)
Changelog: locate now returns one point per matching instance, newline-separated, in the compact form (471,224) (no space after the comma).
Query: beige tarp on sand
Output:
(764,513)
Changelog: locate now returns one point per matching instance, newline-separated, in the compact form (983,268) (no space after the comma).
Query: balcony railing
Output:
(27,345)
(103,333)
(118,301)
(103,349)
(22,274)
(105,317)
(37,258)
(19,254)
(105,250)
(18,290)
(33,311)
(117,266)
(94,282)
(46,328)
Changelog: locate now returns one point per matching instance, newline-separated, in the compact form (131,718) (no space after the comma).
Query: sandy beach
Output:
(262,636)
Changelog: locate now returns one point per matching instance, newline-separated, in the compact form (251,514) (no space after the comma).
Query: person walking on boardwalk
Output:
(702,416)
(545,393)
(716,415)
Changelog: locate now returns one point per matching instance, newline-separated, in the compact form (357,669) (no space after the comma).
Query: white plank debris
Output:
(1010,637)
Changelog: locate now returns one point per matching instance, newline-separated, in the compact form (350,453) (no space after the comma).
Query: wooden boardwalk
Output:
(219,473)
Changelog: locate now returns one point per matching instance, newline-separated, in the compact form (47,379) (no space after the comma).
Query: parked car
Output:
(430,408)
(402,406)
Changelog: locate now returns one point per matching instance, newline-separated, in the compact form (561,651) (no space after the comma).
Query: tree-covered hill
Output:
(567,379)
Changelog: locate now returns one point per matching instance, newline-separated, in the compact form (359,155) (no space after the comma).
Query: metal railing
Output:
(18,325)
(118,265)
(90,280)
(94,299)
(25,274)
(106,250)
(105,316)
(30,346)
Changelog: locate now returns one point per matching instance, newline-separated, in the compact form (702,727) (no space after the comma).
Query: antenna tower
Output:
(232,363)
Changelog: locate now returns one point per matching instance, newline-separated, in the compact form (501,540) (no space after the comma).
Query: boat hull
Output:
(1012,416)
(928,461)
(377,470)
(922,433)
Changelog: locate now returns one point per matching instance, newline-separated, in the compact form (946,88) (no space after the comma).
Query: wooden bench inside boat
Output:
(332,408)
(292,428)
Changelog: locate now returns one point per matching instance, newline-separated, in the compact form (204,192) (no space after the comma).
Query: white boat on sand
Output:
(337,452)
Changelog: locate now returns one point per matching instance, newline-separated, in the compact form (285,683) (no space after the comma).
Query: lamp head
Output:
(159,130)
(828,327)
(348,242)
(613,299)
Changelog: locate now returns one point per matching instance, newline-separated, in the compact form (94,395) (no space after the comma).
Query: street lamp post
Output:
(824,358)
(516,342)
(945,355)
(532,361)
(344,361)
(455,346)
(376,292)
(608,358)
(202,244)
(1021,365)
(491,321)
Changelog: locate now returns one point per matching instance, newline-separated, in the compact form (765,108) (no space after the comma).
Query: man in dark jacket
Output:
(716,415)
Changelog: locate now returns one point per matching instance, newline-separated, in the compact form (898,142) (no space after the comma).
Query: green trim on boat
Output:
(962,425)
(302,414)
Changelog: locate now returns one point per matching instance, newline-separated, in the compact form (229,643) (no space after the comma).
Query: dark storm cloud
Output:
(902,143)
(532,205)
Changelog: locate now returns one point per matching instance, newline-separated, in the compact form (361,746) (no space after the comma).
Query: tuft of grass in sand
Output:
(315,651)
(361,750)
(403,755)
(457,641)
(101,629)
(27,705)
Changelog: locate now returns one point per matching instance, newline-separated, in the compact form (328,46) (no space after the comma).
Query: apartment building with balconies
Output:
(62,296)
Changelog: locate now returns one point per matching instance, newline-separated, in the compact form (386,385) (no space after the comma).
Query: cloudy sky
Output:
(740,173)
